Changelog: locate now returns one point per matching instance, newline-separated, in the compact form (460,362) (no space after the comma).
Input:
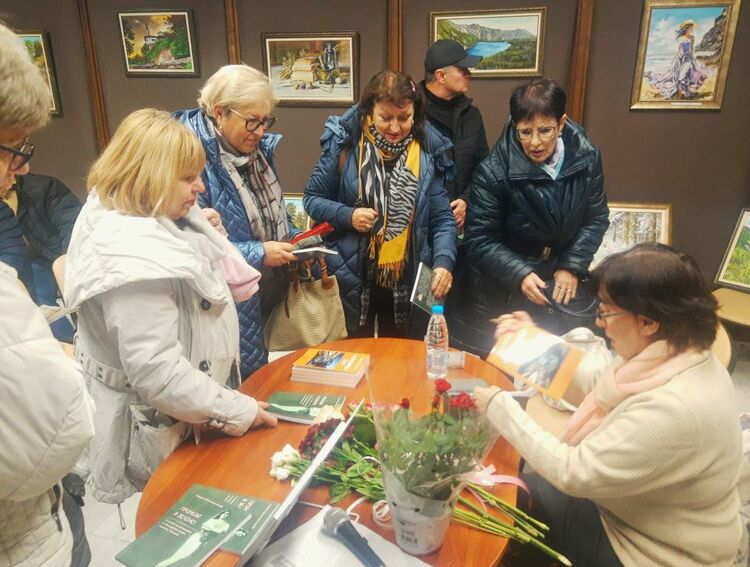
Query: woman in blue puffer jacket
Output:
(235,114)
(380,182)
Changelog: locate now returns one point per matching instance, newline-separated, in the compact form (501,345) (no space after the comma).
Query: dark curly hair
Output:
(656,281)
(395,88)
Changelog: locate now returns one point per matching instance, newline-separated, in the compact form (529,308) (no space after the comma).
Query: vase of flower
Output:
(425,446)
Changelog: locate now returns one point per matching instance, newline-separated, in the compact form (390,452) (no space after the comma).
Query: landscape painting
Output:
(735,268)
(38,45)
(633,223)
(317,69)
(683,54)
(159,44)
(296,211)
(511,42)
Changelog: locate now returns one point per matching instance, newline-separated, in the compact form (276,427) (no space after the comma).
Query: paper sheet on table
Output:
(307,546)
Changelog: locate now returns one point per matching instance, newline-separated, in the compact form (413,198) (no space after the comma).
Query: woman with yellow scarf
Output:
(380,182)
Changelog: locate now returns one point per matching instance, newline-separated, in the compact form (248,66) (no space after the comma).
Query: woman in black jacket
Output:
(538,215)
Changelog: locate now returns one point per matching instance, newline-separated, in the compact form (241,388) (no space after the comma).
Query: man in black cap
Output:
(446,81)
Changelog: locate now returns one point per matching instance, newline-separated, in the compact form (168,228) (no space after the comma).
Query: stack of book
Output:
(331,367)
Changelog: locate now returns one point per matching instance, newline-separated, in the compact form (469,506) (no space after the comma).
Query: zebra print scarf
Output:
(393,195)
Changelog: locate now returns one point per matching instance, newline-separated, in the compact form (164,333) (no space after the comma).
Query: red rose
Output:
(405,403)
(435,401)
(462,401)
(442,386)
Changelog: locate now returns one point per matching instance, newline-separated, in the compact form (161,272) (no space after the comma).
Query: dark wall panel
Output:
(302,126)
(125,94)
(67,146)
(697,160)
(491,95)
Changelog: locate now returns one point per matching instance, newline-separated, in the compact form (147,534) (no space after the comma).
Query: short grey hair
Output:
(25,98)
(236,86)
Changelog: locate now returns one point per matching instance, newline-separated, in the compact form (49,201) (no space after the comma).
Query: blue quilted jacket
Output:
(222,195)
(333,198)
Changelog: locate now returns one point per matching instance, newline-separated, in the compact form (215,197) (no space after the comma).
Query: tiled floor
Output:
(107,538)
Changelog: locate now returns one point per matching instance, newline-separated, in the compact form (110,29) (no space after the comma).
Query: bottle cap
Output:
(437,309)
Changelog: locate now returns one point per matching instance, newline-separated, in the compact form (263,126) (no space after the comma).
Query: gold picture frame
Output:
(633,223)
(515,47)
(684,51)
(734,270)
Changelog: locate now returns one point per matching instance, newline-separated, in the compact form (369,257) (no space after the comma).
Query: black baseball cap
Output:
(446,52)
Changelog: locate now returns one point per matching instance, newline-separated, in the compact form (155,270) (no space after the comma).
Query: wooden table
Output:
(242,464)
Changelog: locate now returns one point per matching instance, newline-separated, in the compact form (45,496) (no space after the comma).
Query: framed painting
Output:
(312,69)
(511,42)
(296,211)
(734,271)
(633,223)
(38,45)
(683,54)
(159,43)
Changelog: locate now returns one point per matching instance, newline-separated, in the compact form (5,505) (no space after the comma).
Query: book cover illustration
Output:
(191,530)
(332,360)
(421,293)
(301,407)
(260,511)
(539,359)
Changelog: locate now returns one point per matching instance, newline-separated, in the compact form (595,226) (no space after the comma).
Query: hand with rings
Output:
(566,284)
(442,280)
(363,219)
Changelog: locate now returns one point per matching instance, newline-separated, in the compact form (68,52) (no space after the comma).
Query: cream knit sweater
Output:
(662,468)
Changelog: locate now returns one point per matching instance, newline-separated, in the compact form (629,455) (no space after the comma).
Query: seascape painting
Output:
(631,224)
(735,268)
(511,42)
(684,54)
(158,44)
(312,69)
(38,45)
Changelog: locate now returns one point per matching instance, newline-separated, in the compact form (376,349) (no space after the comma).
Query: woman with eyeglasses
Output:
(380,181)
(538,214)
(235,113)
(646,470)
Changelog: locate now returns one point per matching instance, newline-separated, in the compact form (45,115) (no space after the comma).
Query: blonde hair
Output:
(25,98)
(148,154)
(236,86)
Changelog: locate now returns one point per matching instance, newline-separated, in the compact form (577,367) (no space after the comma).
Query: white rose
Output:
(278,459)
(288,454)
(280,473)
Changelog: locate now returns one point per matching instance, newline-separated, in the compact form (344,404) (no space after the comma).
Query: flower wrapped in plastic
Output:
(425,446)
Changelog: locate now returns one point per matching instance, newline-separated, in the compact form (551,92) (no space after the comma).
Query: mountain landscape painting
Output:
(511,42)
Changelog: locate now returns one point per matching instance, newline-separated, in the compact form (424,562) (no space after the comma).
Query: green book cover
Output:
(260,511)
(191,530)
(301,407)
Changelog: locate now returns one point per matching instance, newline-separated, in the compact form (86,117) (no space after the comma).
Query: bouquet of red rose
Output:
(424,450)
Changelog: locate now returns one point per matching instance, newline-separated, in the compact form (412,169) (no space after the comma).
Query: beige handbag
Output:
(311,312)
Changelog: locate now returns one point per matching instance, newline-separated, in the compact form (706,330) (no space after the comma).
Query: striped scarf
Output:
(393,195)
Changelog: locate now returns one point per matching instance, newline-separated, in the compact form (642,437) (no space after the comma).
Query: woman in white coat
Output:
(158,336)
(45,411)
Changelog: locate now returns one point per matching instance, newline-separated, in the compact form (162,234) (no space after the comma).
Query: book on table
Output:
(301,407)
(203,520)
(537,358)
(331,367)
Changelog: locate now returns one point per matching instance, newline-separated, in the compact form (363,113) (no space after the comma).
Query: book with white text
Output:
(331,367)
(301,407)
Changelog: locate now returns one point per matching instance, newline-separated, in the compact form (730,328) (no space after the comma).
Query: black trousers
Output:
(81,555)
(381,308)
(575,529)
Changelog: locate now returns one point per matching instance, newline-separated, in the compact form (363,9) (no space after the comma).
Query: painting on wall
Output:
(38,45)
(511,42)
(683,54)
(159,43)
(312,69)
(633,223)
(735,267)
(296,211)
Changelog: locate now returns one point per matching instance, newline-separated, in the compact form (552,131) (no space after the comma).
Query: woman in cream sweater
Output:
(646,470)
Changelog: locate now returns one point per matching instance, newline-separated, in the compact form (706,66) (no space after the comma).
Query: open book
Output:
(537,358)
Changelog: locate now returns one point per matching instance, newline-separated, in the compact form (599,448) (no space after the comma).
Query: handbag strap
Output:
(325,278)
(585,313)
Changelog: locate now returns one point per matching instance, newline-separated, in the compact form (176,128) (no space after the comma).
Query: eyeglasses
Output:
(252,124)
(21,154)
(604,316)
(545,133)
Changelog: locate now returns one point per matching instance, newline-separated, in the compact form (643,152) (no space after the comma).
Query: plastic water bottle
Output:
(436,341)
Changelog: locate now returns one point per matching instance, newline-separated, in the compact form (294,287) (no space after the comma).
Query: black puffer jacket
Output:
(461,122)
(517,210)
